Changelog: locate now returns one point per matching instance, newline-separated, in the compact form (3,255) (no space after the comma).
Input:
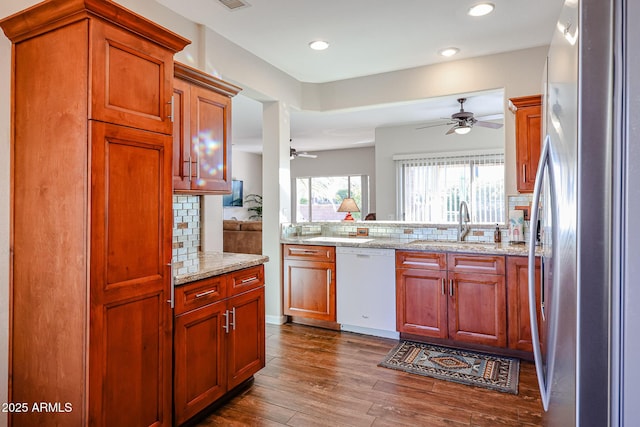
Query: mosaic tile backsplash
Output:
(186,233)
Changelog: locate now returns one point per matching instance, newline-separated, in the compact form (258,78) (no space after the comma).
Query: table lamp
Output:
(348,205)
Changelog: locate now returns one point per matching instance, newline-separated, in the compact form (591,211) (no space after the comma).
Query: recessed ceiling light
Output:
(319,45)
(481,9)
(450,51)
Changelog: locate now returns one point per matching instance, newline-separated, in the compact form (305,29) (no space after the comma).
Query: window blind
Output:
(430,188)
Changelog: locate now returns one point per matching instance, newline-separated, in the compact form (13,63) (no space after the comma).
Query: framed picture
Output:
(235,198)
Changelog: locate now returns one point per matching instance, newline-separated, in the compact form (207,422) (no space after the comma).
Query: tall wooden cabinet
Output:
(528,139)
(459,297)
(91,214)
(202,132)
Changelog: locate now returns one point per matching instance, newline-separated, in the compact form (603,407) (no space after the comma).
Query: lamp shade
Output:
(348,205)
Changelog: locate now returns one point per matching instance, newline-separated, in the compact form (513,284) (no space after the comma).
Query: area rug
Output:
(461,366)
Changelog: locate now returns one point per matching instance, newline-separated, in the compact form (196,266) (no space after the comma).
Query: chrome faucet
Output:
(463,229)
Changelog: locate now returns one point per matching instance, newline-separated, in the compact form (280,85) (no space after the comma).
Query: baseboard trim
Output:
(276,320)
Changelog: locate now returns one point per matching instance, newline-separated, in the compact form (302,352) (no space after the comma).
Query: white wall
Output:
(352,161)
(409,140)
(246,167)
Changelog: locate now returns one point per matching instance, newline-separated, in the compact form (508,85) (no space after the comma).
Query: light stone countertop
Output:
(215,263)
(503,248)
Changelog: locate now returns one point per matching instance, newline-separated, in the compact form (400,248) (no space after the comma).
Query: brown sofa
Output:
(242,237)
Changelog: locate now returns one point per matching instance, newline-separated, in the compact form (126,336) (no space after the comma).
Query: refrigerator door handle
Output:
(531,270)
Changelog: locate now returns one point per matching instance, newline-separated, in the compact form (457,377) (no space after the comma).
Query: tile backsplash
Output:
(186,233)
(408,231)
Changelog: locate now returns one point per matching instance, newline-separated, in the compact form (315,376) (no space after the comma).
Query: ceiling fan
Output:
(463,121)
(293,154)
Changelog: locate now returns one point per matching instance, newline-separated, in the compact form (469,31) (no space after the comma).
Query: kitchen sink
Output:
(452,243)
(330,239)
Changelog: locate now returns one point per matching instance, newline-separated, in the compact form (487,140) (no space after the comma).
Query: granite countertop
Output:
(211,264)
(503,248)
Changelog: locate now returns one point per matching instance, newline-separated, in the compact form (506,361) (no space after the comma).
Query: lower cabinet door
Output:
(421,302)
(310,289)
(518,302)
(477,308)
(245,349)
(199,359)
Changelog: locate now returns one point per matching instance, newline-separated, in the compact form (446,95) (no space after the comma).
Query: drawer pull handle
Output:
(304,251)
(451,287)
(417,263)
(249,279)
(205,293)
(442,285)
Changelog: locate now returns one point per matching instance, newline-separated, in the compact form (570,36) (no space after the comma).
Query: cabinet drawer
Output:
(466,263)
(245,280)
(200,293)
(310,252)
(421,260)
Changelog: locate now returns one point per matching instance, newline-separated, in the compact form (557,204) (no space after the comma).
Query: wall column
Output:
(276,194)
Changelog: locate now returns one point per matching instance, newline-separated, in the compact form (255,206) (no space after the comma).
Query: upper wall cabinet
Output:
(201,132)
(528,120)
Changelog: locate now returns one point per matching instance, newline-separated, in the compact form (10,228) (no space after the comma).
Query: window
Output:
(318,198)
(430,188)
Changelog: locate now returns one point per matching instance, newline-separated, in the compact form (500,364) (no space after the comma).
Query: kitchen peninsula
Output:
(470,294)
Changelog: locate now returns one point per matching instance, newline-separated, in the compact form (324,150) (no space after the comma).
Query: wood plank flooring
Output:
(318,377)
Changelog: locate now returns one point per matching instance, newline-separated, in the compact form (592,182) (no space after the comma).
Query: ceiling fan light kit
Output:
(462,130)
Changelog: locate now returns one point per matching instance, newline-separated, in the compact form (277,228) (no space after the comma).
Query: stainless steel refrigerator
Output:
(588,183)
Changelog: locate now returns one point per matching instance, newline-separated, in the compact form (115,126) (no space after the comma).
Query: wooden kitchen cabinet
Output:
(201,132)
(519,326)
(219,338)
(528,139)
(459,297)
(421,299)
(310,282)
(91,202)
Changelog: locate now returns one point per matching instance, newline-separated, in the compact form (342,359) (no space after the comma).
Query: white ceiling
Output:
(367,37)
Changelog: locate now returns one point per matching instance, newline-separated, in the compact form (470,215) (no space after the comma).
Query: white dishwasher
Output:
(366,290)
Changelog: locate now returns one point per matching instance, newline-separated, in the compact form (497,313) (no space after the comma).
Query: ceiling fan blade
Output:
(452,130)
(488,124)
(436,125)
(498,116)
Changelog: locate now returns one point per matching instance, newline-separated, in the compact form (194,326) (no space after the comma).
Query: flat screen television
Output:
(235,198)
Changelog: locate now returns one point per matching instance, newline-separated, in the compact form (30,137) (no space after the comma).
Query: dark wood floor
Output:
(317,377)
